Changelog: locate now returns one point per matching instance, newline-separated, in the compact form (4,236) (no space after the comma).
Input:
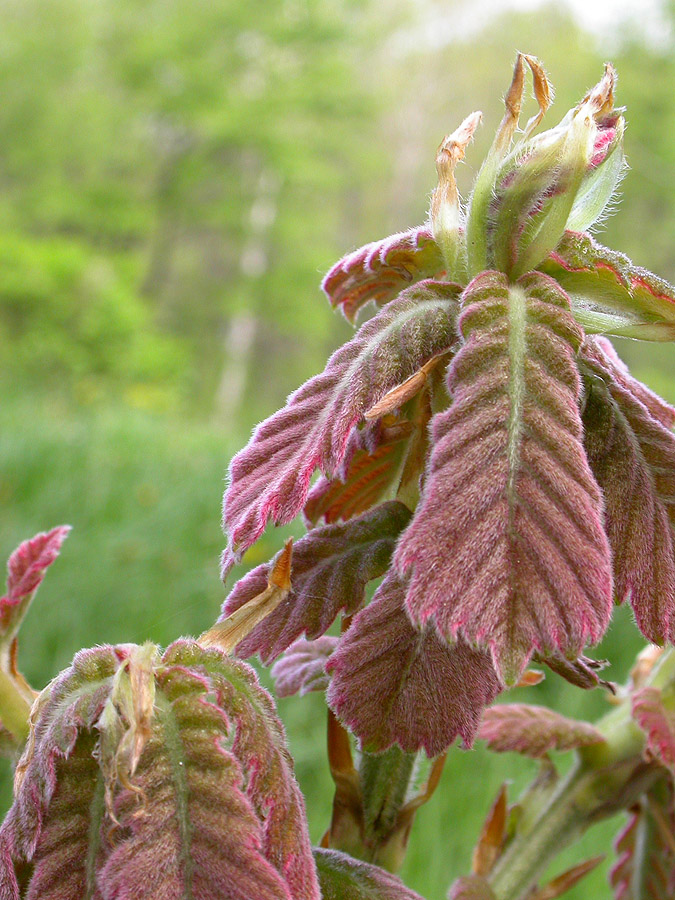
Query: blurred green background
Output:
(175,178)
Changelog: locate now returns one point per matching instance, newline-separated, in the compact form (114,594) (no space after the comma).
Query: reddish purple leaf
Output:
(608,293)
(392,683)
(270,478)
(302,668)
(381,270)
(632,456)
(331,567)
(658,723)
(581,672)
(26,569)
(343,878)
(533,730)
(645,867)
(507,546)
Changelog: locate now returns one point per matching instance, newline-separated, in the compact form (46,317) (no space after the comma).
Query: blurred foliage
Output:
(175,178)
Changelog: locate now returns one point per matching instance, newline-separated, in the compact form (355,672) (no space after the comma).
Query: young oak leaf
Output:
(533,730)
(392,683)
(270,478)
(645,849)
(382,269)
(507,547)
(302,668)
(25,571)
(344,878)
(608,294)
(211,809)
(631,453)
(657,720)
(331,567)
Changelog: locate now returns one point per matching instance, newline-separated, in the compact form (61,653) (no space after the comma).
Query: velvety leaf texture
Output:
(392,683)
(533,730)
(632,455)
(381,270)
(212,809)
(507,547)
(331,567)
(26,569)
(645,866)
(471,887)
(658,723)
(302,668)
(608,293)
(368,474)
(270,478)
(343,878)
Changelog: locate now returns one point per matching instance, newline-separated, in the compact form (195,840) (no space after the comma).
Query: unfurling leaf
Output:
(608,294)
(507,547)
(230,631)
(211,808)
(379,271)
(302,668)
(331,567)
(632,456)
(581,672)
(270,478)
(645,848)
(563,883)
(657,719)
(392,683)
(343,878)
(534,730)
(25,571)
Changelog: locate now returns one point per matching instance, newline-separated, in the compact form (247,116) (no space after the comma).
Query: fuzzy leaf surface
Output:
(533,730)
(302,668)
(645,866)
(212,809)
(382,269)
(25,571)
(632,455)
(344,878)
(331,567)
(392,683)
(507,547)
(657,721)
(269,479)
(610,295)
(471,887)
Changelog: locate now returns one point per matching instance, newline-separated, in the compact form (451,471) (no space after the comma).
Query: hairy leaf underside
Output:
(331,567)
(393,683)
(379,271)
(657,720)
(343,878)
(507,547)
(270,478)
(302,668)
(631,451)
(645,866)
(608,293)
(211,810)
(534,730)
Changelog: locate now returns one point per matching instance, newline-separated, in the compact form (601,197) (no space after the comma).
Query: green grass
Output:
(143,494)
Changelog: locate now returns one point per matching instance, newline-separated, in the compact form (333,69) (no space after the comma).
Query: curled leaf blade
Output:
(534,730)
(302,668)
(344,878)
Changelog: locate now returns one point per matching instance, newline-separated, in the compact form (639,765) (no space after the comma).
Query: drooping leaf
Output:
(270,478)
(507,547)
(608,294)
(533,730)
(331,567)
(645,866)
(581,672)
(657,720)
(632,456)
(26,569)
(392,683)
(344,878)
(302,668)
(210,809)
(382,269)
